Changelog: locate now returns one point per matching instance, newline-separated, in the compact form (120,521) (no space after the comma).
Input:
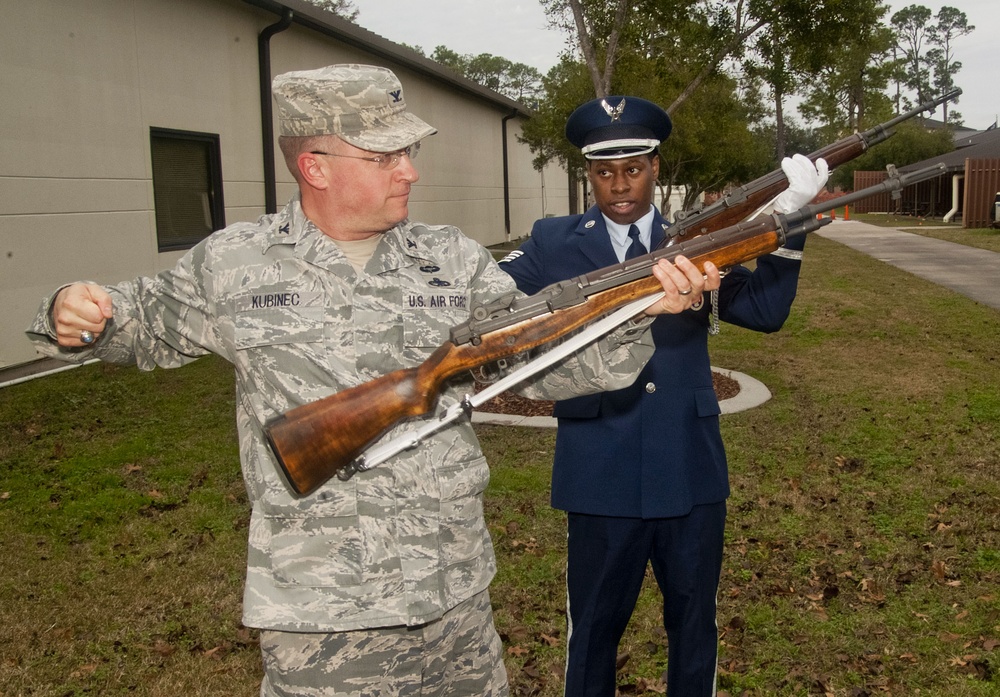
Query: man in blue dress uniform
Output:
(642,471)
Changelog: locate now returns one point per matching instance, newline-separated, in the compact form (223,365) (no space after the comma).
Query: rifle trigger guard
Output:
(480,375)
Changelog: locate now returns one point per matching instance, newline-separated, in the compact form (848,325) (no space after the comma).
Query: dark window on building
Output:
(187,187)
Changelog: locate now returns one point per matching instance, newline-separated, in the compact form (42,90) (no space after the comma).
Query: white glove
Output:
(804,181)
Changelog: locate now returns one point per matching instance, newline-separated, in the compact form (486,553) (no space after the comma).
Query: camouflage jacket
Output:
(399,544)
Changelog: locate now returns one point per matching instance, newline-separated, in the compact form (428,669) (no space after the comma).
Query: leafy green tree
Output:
(700,33)
(801,40)
(798,137)
(341,8)
(911,25)
(928,71)
(779,43)
(847,93)
(911,143)
(588,19)
(667,52)
(771,65)
(711,144)
(566,87)
(951,24)
(452,59)
(516,81)
(666,49)
(414,48)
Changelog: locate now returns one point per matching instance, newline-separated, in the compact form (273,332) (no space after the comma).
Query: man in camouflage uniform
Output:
(377,585)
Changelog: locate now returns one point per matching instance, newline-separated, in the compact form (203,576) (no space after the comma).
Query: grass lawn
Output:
(863,548)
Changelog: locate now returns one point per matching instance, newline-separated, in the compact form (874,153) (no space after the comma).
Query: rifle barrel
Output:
(313,442)
(742,201)
(926,106)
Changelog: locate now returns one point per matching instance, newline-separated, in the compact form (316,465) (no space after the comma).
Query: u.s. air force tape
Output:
(795,254)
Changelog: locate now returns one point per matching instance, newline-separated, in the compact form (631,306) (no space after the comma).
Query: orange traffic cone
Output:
(847,212)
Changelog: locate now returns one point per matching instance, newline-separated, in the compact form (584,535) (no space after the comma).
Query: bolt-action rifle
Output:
(743,201)
(315,441)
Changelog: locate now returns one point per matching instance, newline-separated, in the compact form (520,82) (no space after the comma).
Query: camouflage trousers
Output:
(457,656)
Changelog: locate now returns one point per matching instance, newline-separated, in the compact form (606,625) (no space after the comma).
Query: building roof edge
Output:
(328,23)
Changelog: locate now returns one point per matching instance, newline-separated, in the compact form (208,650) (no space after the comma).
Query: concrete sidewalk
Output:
(972,272)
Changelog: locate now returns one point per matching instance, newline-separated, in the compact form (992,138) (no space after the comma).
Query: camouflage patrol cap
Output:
(362,104)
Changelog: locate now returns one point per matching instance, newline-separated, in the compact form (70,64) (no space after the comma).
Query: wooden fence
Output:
(982,183)
(873,204)
(978,189)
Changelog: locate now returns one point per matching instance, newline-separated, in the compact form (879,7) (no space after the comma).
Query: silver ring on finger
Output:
(685,292)
(87,337)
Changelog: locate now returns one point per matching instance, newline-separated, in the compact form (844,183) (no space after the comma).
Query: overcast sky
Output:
(515,29)
(518,31)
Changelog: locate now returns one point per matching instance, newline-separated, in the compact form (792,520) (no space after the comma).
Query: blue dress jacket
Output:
(652,450)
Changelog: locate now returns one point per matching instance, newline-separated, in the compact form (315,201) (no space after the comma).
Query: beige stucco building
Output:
(129,128)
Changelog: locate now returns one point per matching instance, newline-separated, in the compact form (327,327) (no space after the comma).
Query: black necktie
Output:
(637,248)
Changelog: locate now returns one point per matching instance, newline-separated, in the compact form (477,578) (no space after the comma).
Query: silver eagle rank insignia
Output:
(614,112)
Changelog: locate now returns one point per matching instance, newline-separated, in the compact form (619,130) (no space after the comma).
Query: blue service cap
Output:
(616,127)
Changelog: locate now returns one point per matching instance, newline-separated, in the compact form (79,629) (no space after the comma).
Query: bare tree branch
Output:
(587,47)
(609,60)
(602,83)
(730,47)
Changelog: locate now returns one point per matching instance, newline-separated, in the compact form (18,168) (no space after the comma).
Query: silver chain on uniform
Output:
(713,327)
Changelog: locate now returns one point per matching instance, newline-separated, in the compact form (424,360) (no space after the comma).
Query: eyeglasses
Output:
(388,160)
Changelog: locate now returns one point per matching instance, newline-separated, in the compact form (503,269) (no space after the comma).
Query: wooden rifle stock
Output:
(316,441)
(741,202)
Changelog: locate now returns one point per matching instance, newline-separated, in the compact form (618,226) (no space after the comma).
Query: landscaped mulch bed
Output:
(515,405)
